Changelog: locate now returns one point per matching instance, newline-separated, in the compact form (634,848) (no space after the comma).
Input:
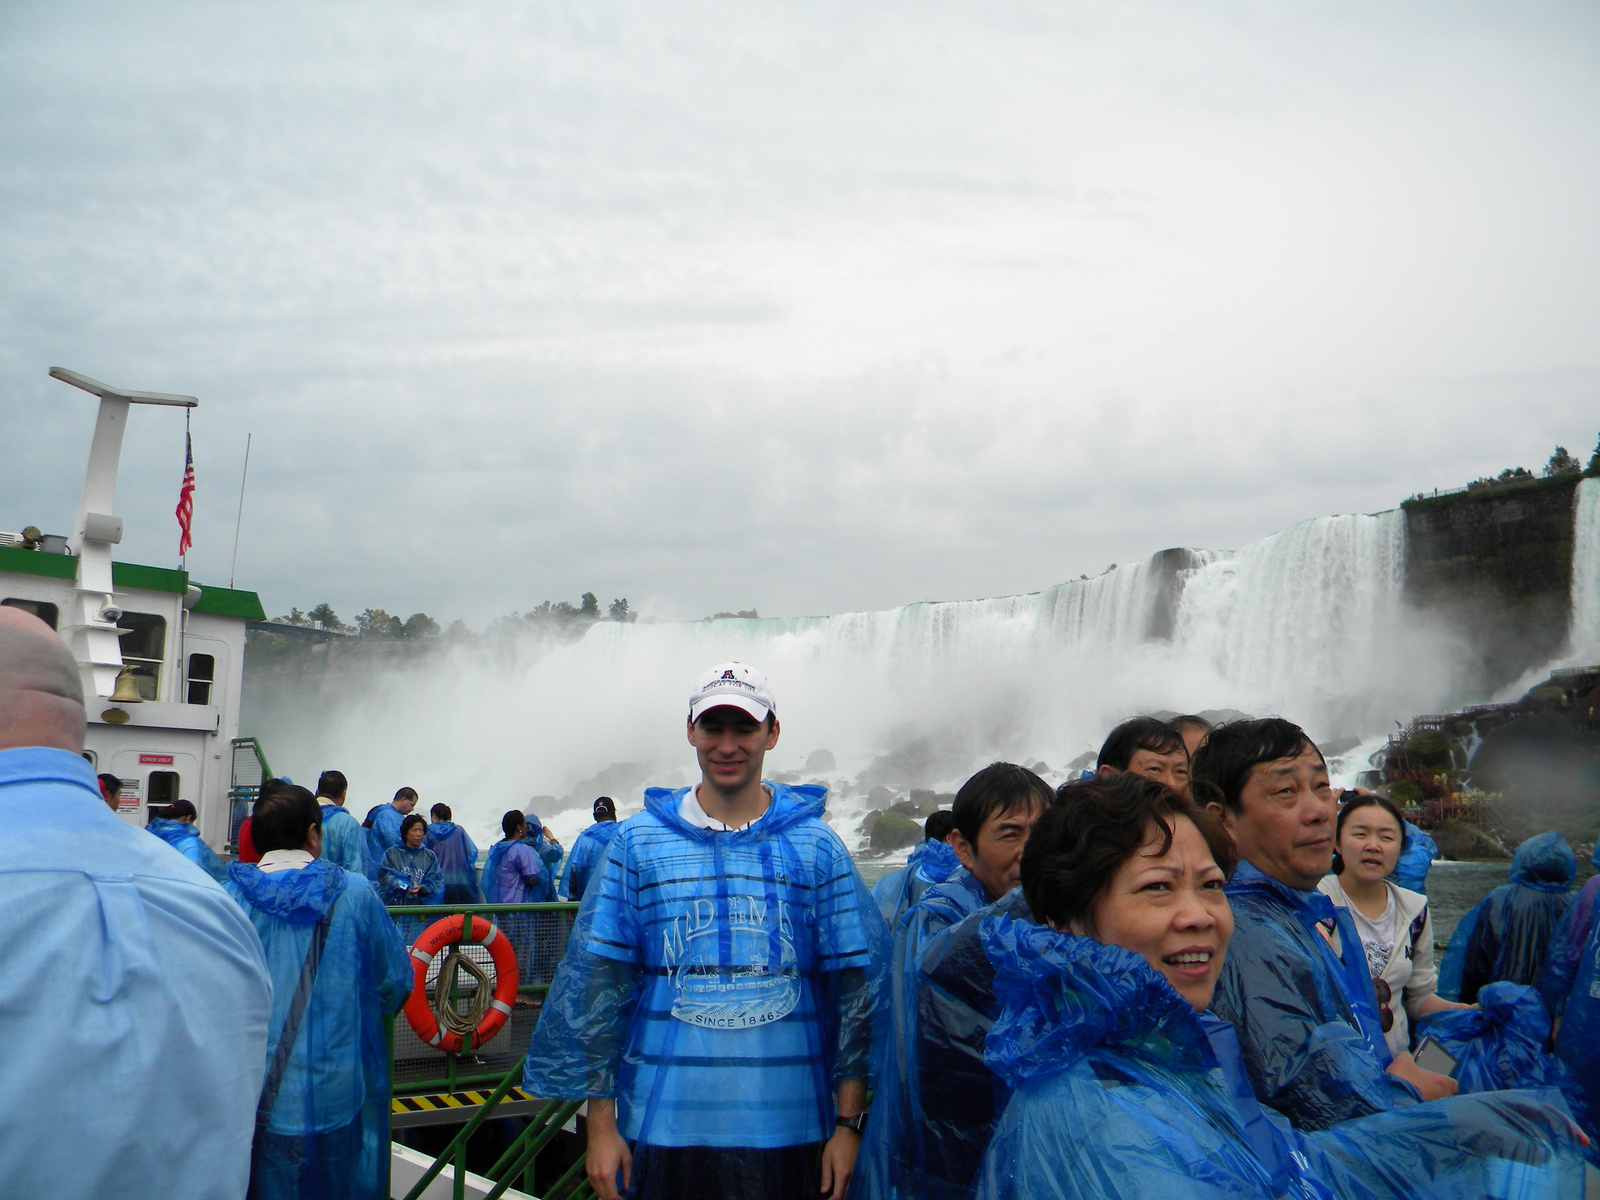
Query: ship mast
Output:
(92,630)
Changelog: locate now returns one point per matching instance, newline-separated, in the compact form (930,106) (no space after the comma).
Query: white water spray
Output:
(1585,637)
(1307,623)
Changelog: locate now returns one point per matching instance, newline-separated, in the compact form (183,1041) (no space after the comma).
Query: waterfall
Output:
(1307,623)
(1585,633)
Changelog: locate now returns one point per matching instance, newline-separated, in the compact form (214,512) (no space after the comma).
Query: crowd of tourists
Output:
(1195,971)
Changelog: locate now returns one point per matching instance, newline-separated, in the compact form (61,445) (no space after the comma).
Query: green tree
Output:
(419,625)
(294,617)
(1560,463)
(1594,460)
(619,611)
(330,619)
(375,623)
(590,608)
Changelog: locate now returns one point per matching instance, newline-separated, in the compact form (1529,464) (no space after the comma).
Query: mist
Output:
(1308,623)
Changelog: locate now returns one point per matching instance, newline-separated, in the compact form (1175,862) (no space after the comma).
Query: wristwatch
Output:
(855,1124)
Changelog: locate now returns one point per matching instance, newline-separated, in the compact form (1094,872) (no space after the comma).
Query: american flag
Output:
(186,498)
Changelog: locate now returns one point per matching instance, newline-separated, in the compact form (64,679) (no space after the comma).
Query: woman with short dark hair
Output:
(1124,1086)
(411,874)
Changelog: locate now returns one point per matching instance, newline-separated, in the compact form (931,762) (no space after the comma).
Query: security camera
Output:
(109,612)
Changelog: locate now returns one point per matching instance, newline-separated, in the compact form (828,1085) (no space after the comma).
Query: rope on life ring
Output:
(440,1024)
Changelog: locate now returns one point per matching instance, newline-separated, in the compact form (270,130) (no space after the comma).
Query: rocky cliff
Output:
(1495,565)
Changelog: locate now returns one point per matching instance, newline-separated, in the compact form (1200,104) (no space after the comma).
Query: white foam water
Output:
(1308,623)
(1585,635)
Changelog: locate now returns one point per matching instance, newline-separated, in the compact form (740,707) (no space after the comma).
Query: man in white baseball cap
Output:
(732,685)
(723,983)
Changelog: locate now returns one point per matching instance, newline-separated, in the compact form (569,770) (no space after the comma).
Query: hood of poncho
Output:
(299,897)
(791,804)
(1064,996)
(1545,862)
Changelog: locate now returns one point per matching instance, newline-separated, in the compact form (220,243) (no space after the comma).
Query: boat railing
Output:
(428,1085)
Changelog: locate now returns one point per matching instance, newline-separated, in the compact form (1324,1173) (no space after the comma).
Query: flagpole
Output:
(188,457)
(239,518)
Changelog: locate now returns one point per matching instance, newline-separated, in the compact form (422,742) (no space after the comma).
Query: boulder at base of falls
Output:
(1467,843)
(819,762)
(892,832)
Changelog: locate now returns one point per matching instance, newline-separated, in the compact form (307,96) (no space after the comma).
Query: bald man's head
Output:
(41,698)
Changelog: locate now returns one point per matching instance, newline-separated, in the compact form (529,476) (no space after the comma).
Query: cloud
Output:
(805,308)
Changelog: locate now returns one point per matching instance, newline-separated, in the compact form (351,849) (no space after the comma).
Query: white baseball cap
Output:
(732,685)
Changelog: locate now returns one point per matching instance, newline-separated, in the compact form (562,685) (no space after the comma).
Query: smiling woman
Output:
(1125,1086)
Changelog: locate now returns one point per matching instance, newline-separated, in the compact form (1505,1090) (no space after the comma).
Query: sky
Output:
(805,308)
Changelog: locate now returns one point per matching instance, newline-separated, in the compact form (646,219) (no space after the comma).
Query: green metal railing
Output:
(249,769)
(517,1162)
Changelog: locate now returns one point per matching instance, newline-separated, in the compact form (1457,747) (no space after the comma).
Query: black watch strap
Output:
(856,1123)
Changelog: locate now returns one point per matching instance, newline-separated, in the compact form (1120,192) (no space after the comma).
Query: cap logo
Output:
(727,674)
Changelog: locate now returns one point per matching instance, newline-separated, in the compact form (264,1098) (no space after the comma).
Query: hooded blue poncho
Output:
(588,852)
(458,859)
(930,864)
(549,853)
(1570,988)
(1417,852)
(382,836)
(1506,934)
(344,842)
(327,1134)
(1123,1090)
(717,984)
(895,1143)
(1307,1019)
(957,1096)
(404,868)
(186,840)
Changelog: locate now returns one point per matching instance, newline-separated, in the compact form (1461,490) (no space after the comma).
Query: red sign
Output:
(160,760)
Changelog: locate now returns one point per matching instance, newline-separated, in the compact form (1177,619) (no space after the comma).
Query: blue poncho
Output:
(186,840)
(327,1133)
(717,984)
(1417,852)
(458,859)
(587,854)
(930,864)
(1570,988)
(129,973)
(549,853)
(1123,1090)
(1307,1018)
(382,836)
(1506,934)
(404,868)
(894,1151)
(344,842)
(1501,1044)
(512,874)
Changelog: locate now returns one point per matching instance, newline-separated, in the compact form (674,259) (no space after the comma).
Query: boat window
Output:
(43,609)
(163,789)
(144,647)
(202,670)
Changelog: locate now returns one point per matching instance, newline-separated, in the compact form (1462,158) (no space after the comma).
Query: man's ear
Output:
(1105,771)
(958,842)
(772,733)
(1225,815)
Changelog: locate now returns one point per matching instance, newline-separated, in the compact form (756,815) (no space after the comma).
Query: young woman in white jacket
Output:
(1396,930)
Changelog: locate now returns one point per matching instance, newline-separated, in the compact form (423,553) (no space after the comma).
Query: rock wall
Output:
(1495,565)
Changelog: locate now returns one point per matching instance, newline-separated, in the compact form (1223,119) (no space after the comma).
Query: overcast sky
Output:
(806,308)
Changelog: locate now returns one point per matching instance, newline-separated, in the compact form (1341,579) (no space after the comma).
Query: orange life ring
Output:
(420,1014)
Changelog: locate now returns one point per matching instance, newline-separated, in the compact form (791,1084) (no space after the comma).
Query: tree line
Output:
(559,616)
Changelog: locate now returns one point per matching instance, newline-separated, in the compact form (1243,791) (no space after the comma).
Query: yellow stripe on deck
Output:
(411,1104)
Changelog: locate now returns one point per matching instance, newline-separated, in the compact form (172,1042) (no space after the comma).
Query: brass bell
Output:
(127,689)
